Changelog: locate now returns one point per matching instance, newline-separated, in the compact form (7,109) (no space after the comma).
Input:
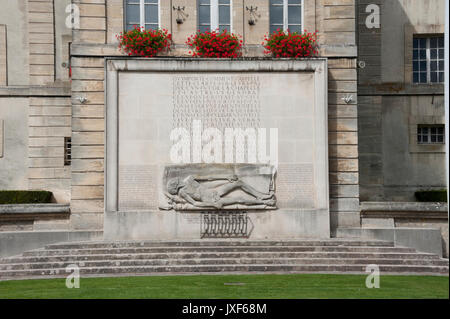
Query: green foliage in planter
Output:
(432,196)
(25,197)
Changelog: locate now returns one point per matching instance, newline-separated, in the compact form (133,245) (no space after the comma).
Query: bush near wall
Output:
(25,197)
(431,196)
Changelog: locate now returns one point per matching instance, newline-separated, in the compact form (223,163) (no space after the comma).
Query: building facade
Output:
(401,98)
(52,91)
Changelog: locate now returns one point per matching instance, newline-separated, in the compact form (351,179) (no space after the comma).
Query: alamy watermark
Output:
(373,279)
(211,145)
(73,19)
(73,279)
(373,19)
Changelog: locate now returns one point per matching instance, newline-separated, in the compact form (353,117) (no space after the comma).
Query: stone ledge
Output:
(348,51)
(17,212)
(93,49)
(102,50)
(400,89)
(404,210)
(14,243)
(30,91)
(427,240)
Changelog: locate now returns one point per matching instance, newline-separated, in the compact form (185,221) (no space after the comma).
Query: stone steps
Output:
(219,242)
(220,256)
(282,268)
(135,250)
(212,255)
(221,261)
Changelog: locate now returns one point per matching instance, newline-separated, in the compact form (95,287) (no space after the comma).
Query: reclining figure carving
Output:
(191,190)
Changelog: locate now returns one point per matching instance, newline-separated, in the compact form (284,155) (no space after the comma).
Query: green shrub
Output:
(25,197)
(432,196)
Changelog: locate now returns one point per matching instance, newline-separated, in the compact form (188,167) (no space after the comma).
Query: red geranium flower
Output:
(290,44)
(146,43)
(215,44)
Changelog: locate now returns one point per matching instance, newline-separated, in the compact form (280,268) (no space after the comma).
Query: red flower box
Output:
(283,44)
(144,43)
(215,45)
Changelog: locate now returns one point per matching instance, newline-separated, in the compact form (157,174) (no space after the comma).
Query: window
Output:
(143,13)
(67,151)
(428,59)
(286,14)
(214,14)
(430,134)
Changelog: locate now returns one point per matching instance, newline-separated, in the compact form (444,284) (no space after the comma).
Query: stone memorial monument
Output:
(220,187)
(189,137)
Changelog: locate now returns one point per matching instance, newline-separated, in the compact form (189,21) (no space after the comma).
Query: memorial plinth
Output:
(185,136)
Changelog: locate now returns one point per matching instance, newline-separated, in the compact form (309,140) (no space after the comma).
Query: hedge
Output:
(25,197)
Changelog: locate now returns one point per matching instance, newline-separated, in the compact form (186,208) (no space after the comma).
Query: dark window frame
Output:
(422,43)
(67,151)
(142,21)
(221,26)
(425,134)
(285,25)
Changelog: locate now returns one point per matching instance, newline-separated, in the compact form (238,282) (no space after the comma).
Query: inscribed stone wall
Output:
(335,22)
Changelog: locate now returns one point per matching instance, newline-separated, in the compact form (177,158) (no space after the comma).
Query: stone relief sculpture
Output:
(198,186)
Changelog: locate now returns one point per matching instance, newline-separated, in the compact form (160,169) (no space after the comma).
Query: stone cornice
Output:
(30,91)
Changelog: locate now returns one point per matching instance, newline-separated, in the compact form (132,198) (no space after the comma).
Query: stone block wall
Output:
(3,59)
(13,143)
(343,143)
(88,127)
(14,47)
(49,122)
(101,20)
(369,45)
(1,138)
(336,26)
(392,164)
(42,38)
(41,41)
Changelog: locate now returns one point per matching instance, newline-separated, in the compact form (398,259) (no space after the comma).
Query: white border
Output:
(214,15)
(286,15)
(142,14)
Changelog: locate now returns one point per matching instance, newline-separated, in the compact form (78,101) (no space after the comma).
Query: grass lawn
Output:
(242,286)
